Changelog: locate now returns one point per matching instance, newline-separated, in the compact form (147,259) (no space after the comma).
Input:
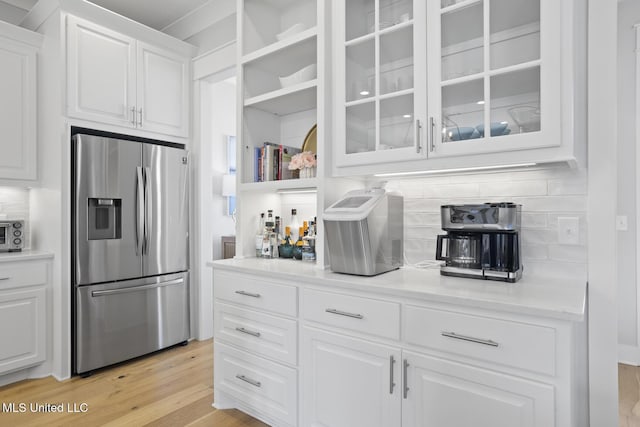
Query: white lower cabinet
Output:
(443,393)
(348,382)
(365,359)
(256,347)
(23,314)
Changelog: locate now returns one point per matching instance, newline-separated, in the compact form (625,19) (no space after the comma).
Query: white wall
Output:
(545,195)
(217,116)
(628,16)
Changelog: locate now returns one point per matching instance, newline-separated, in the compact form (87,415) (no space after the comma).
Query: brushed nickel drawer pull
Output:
(344,313)
(249,380)
(470,339)
(248,332)
(248,294)
(5,278)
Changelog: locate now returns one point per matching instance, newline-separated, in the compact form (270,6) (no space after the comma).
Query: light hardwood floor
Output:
(170,388)
(629,395)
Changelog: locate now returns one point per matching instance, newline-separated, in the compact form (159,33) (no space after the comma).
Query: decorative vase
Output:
(308,172)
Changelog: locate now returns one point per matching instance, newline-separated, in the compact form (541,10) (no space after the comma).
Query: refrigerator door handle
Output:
(147,208)
(136,288)
(139,211)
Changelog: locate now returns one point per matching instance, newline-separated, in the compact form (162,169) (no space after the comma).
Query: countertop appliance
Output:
(11,235)
(130,248)
(364,232)
(483,241)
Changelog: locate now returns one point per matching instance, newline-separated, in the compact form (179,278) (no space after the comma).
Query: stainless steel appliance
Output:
(482,241)
(130,248)
(364,232)
(11,235)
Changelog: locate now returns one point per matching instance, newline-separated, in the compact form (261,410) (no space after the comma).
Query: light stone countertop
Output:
(24,256)
(548,297)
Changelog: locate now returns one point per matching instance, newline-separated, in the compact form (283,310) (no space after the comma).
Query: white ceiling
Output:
(156,14)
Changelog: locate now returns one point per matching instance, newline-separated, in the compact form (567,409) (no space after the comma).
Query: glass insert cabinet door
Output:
(380,84)
(495,84)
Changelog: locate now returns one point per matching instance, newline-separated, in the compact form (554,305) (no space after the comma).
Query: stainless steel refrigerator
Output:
(130,249)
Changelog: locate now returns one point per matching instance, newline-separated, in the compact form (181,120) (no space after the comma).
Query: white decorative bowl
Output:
(294,29)
(305,74)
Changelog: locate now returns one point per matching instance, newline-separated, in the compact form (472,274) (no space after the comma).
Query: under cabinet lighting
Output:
(480,102)
(364,93)
(443,171)
(296,190)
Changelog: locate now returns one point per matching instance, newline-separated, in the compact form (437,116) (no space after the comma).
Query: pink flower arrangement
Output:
(306,159)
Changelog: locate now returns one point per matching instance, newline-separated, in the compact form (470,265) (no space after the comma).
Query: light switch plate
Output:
(569,230)
(622,223)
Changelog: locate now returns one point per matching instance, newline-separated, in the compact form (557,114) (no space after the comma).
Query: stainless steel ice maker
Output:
(364,232)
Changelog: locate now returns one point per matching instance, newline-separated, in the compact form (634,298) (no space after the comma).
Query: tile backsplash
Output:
(14,204)
(545,194)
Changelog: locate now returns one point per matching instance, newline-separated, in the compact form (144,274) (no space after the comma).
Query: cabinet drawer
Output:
(256,293)
(268,387)
(22,273)
(365,315)
(267,335)
(519,345)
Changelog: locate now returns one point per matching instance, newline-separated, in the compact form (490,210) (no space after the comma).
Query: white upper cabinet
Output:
(101,74)
(448,84)
(18,103)
(163,91)
(380,91)
(496,67)
(115,79)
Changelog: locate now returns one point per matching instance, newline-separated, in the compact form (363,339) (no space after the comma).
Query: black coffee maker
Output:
(482,241)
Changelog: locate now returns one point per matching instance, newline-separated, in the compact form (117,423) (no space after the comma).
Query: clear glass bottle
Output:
(259,235)
(295,225)
(267,237)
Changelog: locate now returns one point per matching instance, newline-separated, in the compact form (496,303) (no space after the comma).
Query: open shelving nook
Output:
(284,74)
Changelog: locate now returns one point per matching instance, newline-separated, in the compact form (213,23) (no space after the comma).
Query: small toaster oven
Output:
(11,235)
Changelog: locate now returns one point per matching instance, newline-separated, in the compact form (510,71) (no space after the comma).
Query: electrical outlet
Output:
(569,230)
(622,223)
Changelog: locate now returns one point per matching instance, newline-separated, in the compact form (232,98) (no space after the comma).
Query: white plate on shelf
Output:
(293,30)
(305,74)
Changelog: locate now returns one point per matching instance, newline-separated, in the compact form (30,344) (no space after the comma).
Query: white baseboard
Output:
(629,354)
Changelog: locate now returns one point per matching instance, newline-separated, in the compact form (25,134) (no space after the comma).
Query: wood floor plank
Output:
(227,418)
(173,387)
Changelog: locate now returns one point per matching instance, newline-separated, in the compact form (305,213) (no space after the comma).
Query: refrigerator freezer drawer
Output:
(119,321)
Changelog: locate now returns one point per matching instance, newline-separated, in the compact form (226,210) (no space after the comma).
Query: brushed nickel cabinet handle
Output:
(470,339)
(418,142)
(405,368)
(344,313)
(249,380)
(133,116)
(248,332)
(5,278)
(432,126)
(140,123)
(392,384)
(248,294)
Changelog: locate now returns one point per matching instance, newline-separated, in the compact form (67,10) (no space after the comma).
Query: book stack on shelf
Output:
(271,162)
